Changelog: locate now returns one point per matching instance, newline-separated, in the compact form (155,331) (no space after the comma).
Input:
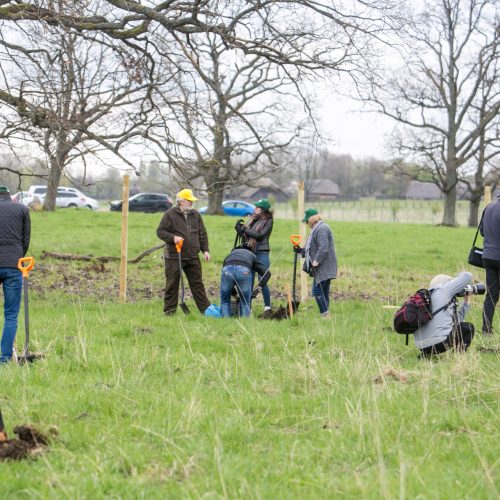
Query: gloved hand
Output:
(298,249)
(239,226)
(255,292)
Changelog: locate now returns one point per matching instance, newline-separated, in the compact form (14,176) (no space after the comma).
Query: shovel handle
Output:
(25,265)
(295,239)
(178,245)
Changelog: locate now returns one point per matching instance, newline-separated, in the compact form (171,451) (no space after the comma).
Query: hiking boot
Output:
(325,315)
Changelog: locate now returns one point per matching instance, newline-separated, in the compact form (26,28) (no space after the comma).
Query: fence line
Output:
(368,210)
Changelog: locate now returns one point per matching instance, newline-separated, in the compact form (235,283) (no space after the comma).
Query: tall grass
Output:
(183,406)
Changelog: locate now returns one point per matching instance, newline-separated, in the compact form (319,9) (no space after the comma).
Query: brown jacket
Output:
(190,227)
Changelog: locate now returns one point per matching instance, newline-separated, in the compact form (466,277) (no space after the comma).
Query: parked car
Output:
(144,202)
(20,196)
(67,197)
(235,208)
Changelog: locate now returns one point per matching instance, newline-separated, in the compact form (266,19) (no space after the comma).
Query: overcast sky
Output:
(353,130)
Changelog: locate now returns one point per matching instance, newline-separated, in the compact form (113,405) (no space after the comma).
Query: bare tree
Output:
(70,97)
(303,37)
(231,115)
(450,54)
(484,169)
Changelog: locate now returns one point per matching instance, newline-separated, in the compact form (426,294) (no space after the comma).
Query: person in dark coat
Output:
(182,222)
(320,259)
(255,234)
(490,229)
(15,233)
(237,272)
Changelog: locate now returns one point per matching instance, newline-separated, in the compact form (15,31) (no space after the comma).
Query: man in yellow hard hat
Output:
(183,222)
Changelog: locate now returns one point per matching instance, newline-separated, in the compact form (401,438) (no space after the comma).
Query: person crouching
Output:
(447,328)
(237,271)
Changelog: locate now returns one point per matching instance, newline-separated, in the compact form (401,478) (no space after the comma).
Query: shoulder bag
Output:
(476,253)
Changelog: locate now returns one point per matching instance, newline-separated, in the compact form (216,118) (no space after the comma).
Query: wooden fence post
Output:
(302,232)
(487,195)
(124,241)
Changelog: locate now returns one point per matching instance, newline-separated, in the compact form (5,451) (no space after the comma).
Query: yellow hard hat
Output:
(186,194)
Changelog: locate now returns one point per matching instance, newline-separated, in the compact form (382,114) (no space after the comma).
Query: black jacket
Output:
(190,227)
(246,258)
(262,236)
(15,231)
(490,229)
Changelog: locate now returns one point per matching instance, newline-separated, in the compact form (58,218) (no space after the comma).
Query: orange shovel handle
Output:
(295,239)
(25,265)
(178,246)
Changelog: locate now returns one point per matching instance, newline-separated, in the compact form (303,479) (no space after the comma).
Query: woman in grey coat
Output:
(320,259)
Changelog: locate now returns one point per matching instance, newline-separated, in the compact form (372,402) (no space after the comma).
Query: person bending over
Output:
(237,272)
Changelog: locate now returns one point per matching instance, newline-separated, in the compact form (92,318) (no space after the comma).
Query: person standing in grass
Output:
(15,233)
(184,222)
(490,229)
(256,235)
(320,259)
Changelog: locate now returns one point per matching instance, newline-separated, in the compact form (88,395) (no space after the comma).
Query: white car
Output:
(67,197)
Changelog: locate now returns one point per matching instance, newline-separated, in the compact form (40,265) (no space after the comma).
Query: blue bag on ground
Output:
(212,311)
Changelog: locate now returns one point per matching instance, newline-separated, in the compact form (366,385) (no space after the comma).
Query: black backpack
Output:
(415,312)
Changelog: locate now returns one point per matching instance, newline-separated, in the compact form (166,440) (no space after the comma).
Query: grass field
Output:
(153,406)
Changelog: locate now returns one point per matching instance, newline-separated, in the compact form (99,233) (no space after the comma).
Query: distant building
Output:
(429,191)
(423,191)
(260,188)
(322,189)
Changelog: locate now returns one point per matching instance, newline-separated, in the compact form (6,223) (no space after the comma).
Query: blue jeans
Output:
(321,292)
(239,277)
(12,282)
(263,258)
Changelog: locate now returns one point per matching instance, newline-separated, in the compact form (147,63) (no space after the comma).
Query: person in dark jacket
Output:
(490,229)
(183,222)
(237,272)
(255,236)
(320,259)
(15,232)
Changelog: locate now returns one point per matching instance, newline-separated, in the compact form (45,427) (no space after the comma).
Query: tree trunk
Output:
(215,199)
(55,172)
(450,202)
(474,211)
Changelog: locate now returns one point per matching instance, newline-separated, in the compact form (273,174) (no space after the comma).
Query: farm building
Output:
(321,189)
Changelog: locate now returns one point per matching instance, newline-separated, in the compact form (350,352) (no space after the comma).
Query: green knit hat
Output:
(309,213)
(4,190)
(263,203)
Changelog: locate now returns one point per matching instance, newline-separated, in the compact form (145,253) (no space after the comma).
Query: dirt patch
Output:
(30,442)
(391,374)
(100,281)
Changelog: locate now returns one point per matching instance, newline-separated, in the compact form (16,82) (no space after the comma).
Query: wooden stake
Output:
(487,195)
(302,232)
(124,241)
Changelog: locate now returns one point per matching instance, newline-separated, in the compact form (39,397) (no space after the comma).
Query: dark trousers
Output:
(460,340)
(492,268)
(321,292)
(193,273)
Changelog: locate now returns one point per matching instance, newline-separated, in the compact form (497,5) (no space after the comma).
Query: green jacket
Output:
(189,226)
